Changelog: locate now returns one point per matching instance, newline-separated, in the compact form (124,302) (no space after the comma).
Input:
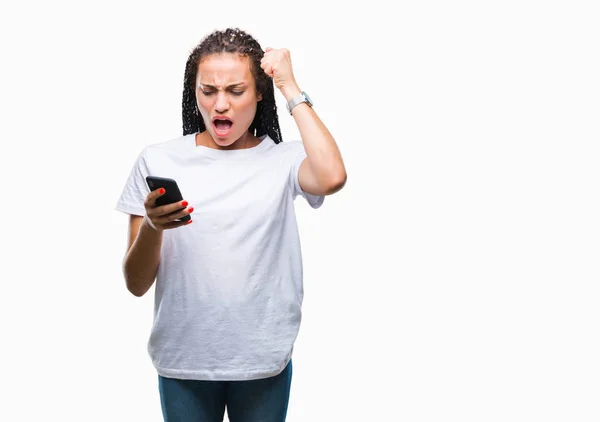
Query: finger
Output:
(169,208)
(155,212)
(173,216)
(151,197)
(157,192)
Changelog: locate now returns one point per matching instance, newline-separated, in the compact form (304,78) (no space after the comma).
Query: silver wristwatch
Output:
(300,98)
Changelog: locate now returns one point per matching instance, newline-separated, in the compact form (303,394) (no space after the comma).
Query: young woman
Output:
(229,286)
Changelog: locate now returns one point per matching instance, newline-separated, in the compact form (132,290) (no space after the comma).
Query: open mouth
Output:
(222,126)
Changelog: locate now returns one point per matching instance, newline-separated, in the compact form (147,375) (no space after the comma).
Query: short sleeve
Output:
(315,201)
(136,190)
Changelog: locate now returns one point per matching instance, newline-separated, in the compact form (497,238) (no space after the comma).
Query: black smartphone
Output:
(172,192)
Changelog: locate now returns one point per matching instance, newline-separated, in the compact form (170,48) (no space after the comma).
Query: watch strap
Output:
(298,99)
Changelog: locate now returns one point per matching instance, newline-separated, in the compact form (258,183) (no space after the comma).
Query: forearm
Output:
(141,261)
(321,149)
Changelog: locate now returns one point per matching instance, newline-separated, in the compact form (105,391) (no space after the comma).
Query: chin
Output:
(230,140)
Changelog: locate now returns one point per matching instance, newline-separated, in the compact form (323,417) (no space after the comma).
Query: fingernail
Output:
(191,210)
(161,191)
(189,222)
(184,204)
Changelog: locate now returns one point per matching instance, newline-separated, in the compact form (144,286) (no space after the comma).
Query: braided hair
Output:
(231,40)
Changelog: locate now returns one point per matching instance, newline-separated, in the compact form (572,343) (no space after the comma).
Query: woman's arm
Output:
(322,172)
(140,264)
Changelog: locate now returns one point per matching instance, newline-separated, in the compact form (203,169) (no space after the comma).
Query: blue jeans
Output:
(264,400)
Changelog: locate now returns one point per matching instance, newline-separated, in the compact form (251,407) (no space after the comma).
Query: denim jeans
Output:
(264,400)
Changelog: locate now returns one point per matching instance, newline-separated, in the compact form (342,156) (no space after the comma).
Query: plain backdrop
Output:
(454,278)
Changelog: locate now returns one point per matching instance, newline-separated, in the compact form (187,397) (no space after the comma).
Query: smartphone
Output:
(172,194)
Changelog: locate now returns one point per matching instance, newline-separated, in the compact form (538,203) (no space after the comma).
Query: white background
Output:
(454,278)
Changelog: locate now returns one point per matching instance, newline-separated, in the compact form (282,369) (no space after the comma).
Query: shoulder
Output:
(162,148)
(290,148)
(291,145)
(176,143)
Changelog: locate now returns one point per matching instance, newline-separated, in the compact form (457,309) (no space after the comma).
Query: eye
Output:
(207,92)
(237,92)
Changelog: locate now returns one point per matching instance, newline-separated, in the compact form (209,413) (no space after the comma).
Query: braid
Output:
(231,40)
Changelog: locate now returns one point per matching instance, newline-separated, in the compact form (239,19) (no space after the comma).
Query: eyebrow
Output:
(228,86)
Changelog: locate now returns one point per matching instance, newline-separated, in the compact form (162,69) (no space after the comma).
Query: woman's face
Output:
(226,96)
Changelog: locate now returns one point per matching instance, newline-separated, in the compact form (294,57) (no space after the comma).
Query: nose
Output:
(222,103)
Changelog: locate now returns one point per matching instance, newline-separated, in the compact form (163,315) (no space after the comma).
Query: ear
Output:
(259,97)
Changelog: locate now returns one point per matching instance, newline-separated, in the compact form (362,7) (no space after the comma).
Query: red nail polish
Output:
(189,222)
(184,204)
(161,191)
(191,209)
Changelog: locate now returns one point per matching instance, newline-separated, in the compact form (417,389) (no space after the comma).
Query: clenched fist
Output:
(277,64)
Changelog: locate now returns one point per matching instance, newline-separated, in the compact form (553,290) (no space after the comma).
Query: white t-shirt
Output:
(229,290)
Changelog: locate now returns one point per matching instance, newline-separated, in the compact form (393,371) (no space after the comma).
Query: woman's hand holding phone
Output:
(164,217)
